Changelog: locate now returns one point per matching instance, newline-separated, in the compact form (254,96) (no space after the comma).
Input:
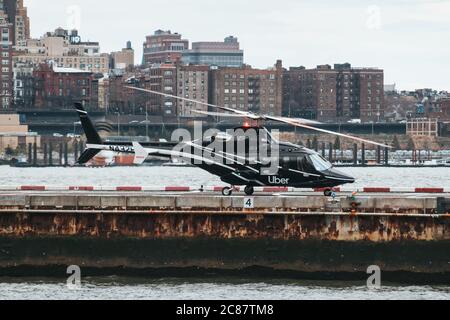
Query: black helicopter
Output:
(280,165)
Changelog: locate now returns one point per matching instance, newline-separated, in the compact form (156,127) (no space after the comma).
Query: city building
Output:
(57,87)
(193,83)
(164,47)
(163,78)
(249,89)
(360,93)
(23,85)
(22,25)
(6,53)
(66,49)
(114,97)
(445,107)
(18,16)
(221,54)
(310,93)
(122,59)
(334,94)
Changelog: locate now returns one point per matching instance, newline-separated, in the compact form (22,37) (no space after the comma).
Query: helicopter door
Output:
(303,165)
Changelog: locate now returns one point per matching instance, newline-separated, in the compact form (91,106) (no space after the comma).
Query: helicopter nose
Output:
(343,177)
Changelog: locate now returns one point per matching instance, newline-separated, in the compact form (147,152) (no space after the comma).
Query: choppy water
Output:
(219,289)
(175,176)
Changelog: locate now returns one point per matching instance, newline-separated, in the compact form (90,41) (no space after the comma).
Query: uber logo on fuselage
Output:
(276,180)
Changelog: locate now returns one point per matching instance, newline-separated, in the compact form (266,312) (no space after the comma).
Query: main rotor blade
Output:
(295,122)
(218,114)
(302,125)
(247,114)
(244,114)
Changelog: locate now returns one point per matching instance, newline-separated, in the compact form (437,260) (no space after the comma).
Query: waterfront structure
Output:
(248,89)
(6,52)
(164,47)
(57,88)
(13,134)
(338,238)
(66,49)
(220,54)
(423,127)
(193,83)
(123,59)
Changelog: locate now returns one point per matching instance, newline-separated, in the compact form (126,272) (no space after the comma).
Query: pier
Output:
(305,233)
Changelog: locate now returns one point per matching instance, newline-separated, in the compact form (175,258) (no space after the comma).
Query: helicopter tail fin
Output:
(89,129)
(91,134)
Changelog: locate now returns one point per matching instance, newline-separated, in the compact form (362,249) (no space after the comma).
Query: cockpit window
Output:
(320,163)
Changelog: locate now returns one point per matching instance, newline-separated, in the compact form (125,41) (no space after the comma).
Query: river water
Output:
(216,289)
(187,176)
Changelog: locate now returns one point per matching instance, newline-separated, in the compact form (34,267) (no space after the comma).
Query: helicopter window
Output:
(320,163)
(285,163)
(301,163)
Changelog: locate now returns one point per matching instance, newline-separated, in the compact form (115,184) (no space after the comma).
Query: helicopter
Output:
(263,161)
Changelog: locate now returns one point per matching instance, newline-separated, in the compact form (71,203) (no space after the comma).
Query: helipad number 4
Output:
(249,203)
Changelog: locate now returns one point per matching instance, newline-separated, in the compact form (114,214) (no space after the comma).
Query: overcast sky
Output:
(409,39)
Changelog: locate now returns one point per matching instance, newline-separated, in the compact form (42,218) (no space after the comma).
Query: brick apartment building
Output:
(57,87)
(119,98)
(360,93)
(193,83)
(164,47)
(6,67)
(249,89)
(445,108)
(310,94)
(334,94)
(163,78)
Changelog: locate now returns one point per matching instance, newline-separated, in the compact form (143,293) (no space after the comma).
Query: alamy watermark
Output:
(73,21)
(246,147)
(374,281)
(374,21)
(74,280)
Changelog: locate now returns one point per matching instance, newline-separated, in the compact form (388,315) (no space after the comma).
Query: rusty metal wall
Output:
(121,232)
(311,226)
